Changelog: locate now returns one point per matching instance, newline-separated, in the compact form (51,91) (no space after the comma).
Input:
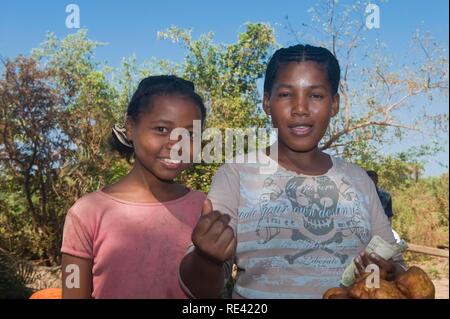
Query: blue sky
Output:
(130,27)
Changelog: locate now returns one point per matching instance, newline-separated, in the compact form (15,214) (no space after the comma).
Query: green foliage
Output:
(56,113)
(61,144)
(398,170)
(420,205)
(72,58)
(226,76)
(421,211)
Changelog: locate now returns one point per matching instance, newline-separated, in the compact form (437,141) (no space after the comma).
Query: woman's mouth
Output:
(170,163)
(301,130)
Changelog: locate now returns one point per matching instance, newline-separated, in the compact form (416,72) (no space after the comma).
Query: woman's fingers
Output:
(360,267)
(365,259)
(387,265)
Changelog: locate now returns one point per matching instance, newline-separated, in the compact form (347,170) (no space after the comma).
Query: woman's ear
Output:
(266,103)
(335,105)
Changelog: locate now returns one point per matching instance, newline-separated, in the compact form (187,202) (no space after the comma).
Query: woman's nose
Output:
(300,106)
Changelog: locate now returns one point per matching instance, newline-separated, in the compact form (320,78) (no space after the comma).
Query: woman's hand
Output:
(389,270)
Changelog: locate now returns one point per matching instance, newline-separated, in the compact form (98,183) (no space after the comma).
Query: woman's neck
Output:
(312,162)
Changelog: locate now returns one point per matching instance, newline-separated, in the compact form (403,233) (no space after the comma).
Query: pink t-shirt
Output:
(136,248)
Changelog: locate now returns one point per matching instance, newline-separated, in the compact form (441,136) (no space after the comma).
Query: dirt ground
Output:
(441,288)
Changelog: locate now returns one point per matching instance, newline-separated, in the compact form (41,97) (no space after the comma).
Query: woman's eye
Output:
(317,96)
(284,94)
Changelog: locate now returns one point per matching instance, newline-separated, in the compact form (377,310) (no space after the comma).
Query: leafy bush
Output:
(14,275)
(421,211)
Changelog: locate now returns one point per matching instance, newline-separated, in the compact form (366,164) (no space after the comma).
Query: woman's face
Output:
(301,104)
(151,134)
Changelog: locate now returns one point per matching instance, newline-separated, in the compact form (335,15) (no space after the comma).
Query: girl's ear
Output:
(266,103)
(335,105)
(129,125)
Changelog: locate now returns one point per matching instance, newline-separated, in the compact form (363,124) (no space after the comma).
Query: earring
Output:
(120,133)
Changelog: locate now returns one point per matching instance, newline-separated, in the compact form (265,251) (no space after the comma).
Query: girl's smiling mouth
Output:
(170,163)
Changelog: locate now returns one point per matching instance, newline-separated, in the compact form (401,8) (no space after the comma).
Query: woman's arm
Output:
(76,277)
(203,278)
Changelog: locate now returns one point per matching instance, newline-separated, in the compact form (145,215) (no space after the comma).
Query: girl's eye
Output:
(317,96)
(161,129)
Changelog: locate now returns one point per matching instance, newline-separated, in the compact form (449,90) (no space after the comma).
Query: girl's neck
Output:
(144,179)
(313,162)
(140,185)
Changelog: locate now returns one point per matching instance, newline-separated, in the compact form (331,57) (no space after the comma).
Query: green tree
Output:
(57,111)
(400,170)
(29,106)
(58,107)
(226,76)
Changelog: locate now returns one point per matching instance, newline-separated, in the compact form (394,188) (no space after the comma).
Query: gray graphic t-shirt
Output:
(297,233)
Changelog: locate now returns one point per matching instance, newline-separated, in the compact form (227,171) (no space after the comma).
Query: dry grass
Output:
(435,267)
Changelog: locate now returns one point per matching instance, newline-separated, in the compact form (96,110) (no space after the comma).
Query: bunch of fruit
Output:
(413,284)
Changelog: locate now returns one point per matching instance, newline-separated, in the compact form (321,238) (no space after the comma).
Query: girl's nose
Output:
(170,143)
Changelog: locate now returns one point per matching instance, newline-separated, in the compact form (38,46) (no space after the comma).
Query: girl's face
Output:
(301,104)
(151,134)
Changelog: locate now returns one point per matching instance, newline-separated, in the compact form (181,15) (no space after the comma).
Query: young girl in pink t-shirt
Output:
(127,239)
